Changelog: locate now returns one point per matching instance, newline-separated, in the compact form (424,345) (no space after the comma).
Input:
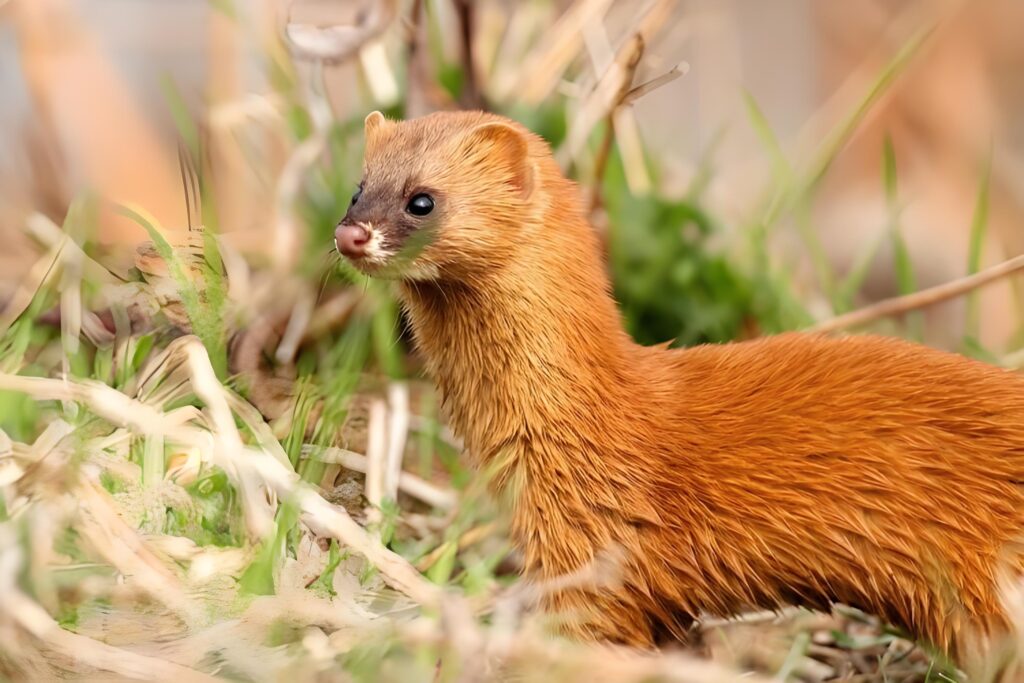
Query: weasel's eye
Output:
(420,205)
(358,193)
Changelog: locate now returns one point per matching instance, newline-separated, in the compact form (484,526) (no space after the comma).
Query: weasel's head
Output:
(444,196)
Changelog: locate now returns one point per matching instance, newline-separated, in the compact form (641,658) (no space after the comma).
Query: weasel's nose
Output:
(351,240)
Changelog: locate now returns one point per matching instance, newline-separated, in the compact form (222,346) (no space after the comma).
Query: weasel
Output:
(794,469)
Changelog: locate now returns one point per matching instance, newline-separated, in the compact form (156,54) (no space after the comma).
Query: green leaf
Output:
(325,582)
(258,578)
(441,571)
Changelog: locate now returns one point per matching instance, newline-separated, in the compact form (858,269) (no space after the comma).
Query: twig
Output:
(335,44)
(471,96)
(605,97)
(921,299)
(680,69)
(630,60)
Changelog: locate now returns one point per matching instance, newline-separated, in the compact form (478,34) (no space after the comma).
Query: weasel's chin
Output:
(393,269)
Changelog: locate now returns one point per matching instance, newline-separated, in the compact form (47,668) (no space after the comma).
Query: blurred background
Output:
(170,167)
(95,93)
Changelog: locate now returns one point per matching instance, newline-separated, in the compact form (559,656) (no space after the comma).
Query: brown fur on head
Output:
(477,170)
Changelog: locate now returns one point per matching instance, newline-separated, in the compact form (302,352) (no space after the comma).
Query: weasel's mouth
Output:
(397,268)
(358,241)
(369,250)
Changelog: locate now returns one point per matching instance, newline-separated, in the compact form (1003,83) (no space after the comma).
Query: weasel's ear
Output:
(373,126)
(500,149)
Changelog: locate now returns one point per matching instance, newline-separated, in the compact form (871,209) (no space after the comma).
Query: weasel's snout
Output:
(351,240)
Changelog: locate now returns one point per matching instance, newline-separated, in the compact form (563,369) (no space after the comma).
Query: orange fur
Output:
(793,469)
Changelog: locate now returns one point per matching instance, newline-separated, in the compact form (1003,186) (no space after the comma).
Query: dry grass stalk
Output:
(333,313)
(253,466)
(530,654)
(298,324)
(259,511)
(610,88)
(926,297)
(398,432)
(380,77)
(70,308)
(252,419)
(750,618)
(286,226)
(538,77)
(41,228)
(443,499)
(376,454)
(122,547)
(511,45)
(18,608)
(605,102)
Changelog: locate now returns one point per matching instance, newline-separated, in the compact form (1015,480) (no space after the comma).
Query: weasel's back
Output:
(864,470)
(882,384)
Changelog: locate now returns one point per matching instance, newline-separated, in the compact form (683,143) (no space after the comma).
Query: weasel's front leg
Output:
(587,615)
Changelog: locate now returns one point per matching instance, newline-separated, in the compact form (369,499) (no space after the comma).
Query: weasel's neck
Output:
(528,348)
(544,386)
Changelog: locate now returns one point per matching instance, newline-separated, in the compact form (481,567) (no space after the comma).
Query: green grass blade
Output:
(839,135)
(781,168)
(906,280)
(786,197)
(854,280)
(979,228)
(889,172)
(203,307)
(182,118)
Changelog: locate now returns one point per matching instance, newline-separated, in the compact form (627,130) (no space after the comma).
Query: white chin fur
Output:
(379,257)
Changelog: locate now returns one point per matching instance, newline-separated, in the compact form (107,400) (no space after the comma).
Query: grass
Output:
(171,509)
